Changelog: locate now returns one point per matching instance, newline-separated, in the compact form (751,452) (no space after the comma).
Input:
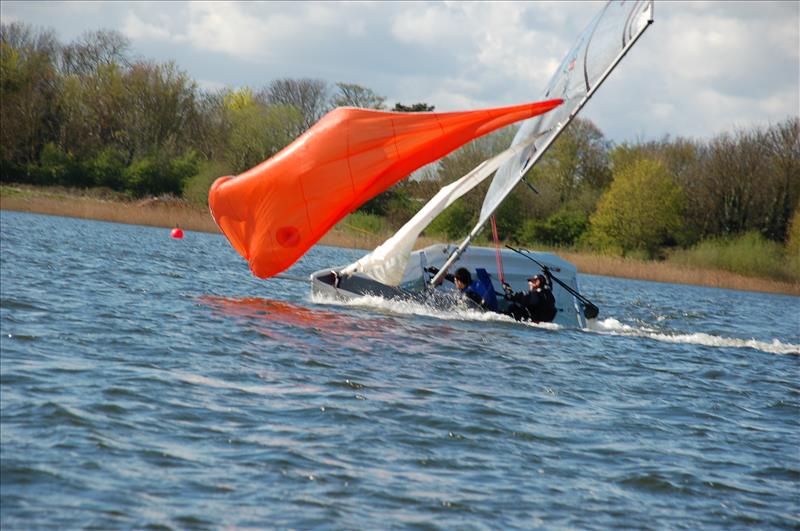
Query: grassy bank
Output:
(107,206)
(155,212)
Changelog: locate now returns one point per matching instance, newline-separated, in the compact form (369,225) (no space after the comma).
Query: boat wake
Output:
(419,309)
(608,326)
(611,326)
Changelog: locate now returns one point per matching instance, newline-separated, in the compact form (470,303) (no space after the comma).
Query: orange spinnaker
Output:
(273,213)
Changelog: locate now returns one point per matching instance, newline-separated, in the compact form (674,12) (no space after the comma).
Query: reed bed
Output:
(151,213)
(174,212)
(675,273)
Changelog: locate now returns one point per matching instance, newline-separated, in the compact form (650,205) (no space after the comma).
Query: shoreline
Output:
(168,213)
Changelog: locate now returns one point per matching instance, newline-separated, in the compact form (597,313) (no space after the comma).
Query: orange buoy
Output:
(176,233)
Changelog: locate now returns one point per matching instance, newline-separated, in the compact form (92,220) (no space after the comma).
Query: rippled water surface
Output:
(147,381)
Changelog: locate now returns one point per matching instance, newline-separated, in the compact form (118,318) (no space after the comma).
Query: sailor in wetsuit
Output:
(481,291)
(537,305)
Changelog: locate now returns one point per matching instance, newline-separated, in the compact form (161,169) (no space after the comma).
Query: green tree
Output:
(258,132)
(159,173)
(454,222)
(793,245)
(29,92)
(58,167)
(107,168)
(781,193)
(681,158)
(416,107)
(239,99)
(641,211)
(793,236)
(507,216)
(94,111)
(572,174)
(208,128)
(564,227)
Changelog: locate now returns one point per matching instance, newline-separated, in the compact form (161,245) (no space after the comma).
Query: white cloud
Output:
(429,25)
(224,27)
(701,67)
(135,28)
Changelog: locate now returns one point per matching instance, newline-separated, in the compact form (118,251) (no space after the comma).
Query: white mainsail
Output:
(597,51)
(599,48)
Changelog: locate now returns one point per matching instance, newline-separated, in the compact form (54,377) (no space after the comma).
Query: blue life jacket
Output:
(483,286)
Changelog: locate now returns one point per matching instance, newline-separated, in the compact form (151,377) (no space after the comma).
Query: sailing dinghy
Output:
(274,212)
(394,271)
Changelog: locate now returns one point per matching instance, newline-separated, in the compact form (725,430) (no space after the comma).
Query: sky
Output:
(702,68)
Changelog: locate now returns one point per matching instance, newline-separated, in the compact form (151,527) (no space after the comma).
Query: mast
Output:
(560,126)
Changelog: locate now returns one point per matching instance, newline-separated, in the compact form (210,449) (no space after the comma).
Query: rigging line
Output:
(358,229)
(497,251)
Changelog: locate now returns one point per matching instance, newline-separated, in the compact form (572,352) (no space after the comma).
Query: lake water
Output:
(148,382)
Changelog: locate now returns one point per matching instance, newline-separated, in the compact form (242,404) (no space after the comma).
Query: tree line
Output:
(640,198)
(90,114)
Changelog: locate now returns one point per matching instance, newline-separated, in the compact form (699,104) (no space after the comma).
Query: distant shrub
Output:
(401,209)
(195,189)
(793,234)
(363,223)
(394,204)
(562,228)
(107,168)
(793,245)
(749,254)
(454,222)
(158,175)
(57,167)
(12,172)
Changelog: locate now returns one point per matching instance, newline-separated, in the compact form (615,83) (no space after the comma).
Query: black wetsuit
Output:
(538,306)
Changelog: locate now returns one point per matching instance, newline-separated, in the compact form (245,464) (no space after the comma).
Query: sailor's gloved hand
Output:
(432,269)
(507,288)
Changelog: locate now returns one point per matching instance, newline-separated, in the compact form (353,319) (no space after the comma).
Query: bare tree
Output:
(351,95)
(93,49)
(160,106)
(783,145)
(309,96)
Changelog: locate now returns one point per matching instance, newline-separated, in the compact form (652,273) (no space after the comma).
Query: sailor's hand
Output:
(507,287)
(432,269)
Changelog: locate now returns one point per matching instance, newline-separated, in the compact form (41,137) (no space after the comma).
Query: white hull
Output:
(516,269)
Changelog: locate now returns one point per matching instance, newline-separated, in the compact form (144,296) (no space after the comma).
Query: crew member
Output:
(480,291)
(537,305)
